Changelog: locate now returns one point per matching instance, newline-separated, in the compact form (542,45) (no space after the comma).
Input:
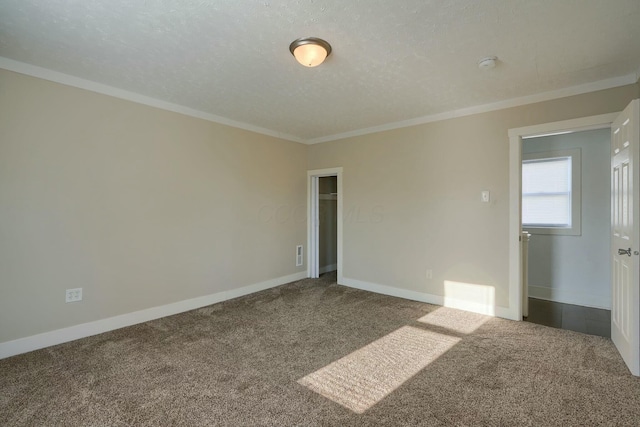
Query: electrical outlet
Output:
(73,295)
(429,274)
(486,196)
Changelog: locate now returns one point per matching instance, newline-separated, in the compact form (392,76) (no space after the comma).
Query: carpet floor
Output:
(313,353)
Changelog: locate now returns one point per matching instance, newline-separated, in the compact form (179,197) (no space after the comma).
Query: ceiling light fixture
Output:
(488,62)
(310,51)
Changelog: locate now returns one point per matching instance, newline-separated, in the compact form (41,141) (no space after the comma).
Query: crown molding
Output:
(69,80)
(500,105)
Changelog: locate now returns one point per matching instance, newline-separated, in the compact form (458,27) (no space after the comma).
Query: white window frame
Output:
(576,192)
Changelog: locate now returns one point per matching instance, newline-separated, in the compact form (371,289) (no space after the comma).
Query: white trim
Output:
(515,246)
(313,227)
(312,176)
(515,164)
(574,125)
(393,291)
(327,268)
(569,296)
(59,336)
(485,108)
(66,79)
(427,298)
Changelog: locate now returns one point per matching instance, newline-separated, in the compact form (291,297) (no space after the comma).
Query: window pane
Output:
(554,210)
(546,192)
(546,176)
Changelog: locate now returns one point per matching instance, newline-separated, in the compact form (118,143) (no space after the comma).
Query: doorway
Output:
(327,224)
(324,222)
(566,209)
(516,136)
(625,222)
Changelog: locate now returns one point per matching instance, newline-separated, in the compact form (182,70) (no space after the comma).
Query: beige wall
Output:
(142,207)
(412,195)
(138,206)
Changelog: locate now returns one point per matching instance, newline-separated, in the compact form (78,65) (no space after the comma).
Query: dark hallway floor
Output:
(593,321)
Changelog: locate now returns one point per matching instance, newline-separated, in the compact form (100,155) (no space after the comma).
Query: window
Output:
(551,192)
(546,192)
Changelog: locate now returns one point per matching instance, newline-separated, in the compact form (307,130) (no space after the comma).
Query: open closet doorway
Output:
(327,224)
(324,221)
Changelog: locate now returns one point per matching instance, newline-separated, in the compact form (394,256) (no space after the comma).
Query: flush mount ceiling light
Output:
(487,63)
(310,51)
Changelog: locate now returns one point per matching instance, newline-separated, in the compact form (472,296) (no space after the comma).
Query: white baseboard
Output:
(59,336)
(476,307)
(569,297)
(327,268)
(394,292)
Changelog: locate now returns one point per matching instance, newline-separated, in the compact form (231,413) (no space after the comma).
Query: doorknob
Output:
(624,251)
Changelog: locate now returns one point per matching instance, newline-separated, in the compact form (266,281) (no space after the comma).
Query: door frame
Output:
(312,219)
(516,135)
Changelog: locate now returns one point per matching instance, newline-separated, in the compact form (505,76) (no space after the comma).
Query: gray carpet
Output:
(314,353)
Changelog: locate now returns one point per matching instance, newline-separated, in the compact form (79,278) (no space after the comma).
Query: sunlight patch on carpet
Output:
(363,378)
(463,322)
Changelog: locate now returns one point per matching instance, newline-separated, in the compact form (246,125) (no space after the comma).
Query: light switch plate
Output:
(486,196)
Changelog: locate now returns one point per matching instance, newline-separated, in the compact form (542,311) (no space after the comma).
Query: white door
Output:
(625,238)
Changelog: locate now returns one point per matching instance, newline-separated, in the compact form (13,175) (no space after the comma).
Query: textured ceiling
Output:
(392,60)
